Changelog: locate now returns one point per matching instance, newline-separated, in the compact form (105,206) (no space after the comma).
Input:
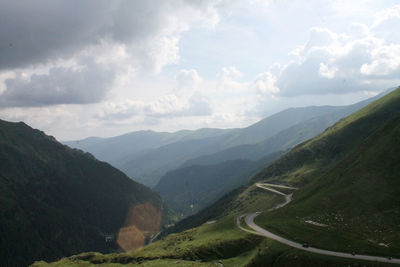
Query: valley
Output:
(326,199)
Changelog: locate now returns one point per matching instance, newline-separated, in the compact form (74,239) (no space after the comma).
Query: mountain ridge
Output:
(149,164)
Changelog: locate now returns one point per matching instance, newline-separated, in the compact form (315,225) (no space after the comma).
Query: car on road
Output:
(389,258)
(305,245)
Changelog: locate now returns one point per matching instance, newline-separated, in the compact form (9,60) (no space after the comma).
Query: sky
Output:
(76,68)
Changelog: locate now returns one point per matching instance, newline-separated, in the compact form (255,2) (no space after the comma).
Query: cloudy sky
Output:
(101,68)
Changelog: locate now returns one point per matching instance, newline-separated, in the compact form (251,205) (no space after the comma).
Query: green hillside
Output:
(56,201)
(358,199)
(349,179)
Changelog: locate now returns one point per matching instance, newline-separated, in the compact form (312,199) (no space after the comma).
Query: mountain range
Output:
(146,156)
(347,201)
(57,201)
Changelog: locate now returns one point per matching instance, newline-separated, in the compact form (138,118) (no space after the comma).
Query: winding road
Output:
(249,219)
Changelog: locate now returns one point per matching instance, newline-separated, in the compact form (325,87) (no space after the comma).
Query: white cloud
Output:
(339,63)
(386,24)
(188,80)
(265,84)
(167,106)
(385,62)
(3,77)
(228,80)
(326,71)
(385,15)
(229,73)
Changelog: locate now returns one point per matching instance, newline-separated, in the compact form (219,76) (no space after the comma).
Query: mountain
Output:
(56,201)
(349,189)
(288,137)
(190,189)
(351,183)
(347,201)
(151,165)
(201,178)
(320,152)
(115,149)
(146,156)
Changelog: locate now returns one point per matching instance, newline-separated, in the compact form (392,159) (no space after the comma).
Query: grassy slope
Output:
(221,241)
(359,200)
(352,176)
(207,242)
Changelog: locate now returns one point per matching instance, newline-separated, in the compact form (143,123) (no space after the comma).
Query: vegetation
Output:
(56,201)
(215,242)
(358,199)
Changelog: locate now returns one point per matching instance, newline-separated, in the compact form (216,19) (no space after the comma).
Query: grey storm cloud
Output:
(36,31)
(59,86)
(44,31)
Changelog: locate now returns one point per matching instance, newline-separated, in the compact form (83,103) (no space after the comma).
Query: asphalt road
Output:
(249,219)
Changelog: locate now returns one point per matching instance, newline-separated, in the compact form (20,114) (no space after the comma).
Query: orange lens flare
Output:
(141,221)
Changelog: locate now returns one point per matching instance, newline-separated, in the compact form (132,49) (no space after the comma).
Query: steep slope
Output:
(358,199)
(190,189)
(57,201)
